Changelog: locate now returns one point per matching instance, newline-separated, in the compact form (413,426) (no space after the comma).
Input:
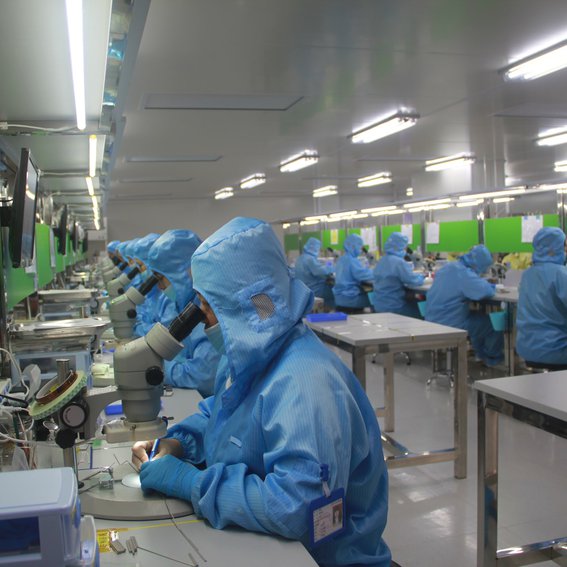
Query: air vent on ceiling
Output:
(184,101)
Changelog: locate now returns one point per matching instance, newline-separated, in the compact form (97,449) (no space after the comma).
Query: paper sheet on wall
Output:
(530,225)
(369,237)
(432,234)
(407,230)
(334,236)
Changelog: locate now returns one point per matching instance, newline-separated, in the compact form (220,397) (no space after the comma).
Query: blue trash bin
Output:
(499,320)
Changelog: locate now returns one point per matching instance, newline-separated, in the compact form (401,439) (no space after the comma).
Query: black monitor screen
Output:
(61,231)
(22,223)
(75,236)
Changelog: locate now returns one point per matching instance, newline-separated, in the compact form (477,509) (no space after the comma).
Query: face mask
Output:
(214,334)
(170,293)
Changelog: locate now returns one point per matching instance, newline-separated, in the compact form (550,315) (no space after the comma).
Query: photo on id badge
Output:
(327,517)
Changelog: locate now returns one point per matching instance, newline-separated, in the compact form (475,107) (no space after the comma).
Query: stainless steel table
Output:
(388,334)
(539,400)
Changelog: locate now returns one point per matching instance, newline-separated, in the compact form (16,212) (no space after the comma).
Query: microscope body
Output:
(122,312)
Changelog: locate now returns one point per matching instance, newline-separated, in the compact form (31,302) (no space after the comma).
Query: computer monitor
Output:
(61,231)
(75,231)
(22,219)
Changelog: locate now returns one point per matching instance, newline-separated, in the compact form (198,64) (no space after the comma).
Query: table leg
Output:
(487,509)
(389,416)
(460,418)
(359,365)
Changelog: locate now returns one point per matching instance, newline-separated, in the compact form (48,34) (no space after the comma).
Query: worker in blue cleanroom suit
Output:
(391,276)
(542,308)
(129,251)
(285,411)
(313,274)
(111,247)
(349,274)
(170,259)
(456,284)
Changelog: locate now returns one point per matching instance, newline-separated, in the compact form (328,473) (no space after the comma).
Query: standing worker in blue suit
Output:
(542,307)
(170,260)
(391,276)
(313,274)
(288,421)
(455,285)
(350,273)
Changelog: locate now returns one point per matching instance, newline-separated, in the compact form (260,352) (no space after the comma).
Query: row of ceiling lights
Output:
(532,67)
(471,200)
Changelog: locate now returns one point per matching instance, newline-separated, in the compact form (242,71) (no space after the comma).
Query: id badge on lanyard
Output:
(327,513)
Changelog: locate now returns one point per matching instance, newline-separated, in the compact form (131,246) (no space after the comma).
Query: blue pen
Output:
(155,449)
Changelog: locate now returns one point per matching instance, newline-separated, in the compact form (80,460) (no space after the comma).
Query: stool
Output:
(537,367)
(442,372)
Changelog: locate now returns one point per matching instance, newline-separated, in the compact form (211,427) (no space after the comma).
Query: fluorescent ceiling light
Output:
(409,191)
(550,187)
(343,214)
(224,193)
(358,216)
(325,191)
(90,187)
(560,166)
(299,161)
(393,211)
(449,161)
(335,219)
(253,181)
(553,137)
(505,193)
(377,209)
(317,217)
(503,200)
(429,208)
(92,155)
(309,222)
(401,120)
(539,64)
(97,224)
(375,179)
(470,203)
(286,225)
(426,203)
(74,10)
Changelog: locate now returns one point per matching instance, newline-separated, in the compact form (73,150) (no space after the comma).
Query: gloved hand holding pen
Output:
(142,449)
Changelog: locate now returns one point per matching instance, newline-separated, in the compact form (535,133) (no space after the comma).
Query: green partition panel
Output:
(291,242)
(505,234)
(305,236)
(458,236)
(43,251)
(18,284)
(388,229)
(341,232)
(354,231)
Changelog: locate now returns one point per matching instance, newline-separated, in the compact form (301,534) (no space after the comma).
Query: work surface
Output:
(218,547)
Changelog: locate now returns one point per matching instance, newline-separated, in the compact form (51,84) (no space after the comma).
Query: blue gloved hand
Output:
(170,476)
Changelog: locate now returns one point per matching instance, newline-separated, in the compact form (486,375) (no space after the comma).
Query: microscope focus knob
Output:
(74,414)
(131,313)
(65,438)
(154,375)
(120,291)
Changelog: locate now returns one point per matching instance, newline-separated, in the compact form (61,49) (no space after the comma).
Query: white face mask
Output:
(214,334)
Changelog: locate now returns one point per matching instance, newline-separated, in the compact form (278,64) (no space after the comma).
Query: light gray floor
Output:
(432,516)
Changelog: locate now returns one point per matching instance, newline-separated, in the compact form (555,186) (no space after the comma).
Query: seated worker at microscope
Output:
(455,285)
(542,306)
(288,423)
(169,259)
(391,276)
(349,274)
(313,274)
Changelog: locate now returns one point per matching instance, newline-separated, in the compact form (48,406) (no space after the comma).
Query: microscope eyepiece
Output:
(115,260)
(148,285)
(186,321)
(123,265)
(133,273)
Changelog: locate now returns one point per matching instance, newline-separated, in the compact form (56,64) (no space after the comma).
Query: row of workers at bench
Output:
(288,443)
(542,308)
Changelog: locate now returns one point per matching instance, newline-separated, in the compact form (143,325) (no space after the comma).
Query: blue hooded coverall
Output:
(391,276)
(312,273)
(196,365)
(456,284)
(542,307)
(350,273)
(111,247)
(284,405)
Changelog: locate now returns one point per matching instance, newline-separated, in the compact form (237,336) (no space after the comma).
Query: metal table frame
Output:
(454,339)
(489,407)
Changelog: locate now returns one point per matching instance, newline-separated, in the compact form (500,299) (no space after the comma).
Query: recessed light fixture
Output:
(299,161)
(375,179)
(326,191)
(449,161)
(553,137)
(224,193)
(400,120)
(427,203)
(538,64)
(253,181)
(560,166)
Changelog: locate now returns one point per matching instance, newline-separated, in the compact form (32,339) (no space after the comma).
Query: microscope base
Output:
(127,503)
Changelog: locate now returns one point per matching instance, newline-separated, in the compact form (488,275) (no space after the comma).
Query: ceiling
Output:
(217,90)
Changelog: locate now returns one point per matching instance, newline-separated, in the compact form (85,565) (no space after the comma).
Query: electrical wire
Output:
(41,128)
(185,536)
